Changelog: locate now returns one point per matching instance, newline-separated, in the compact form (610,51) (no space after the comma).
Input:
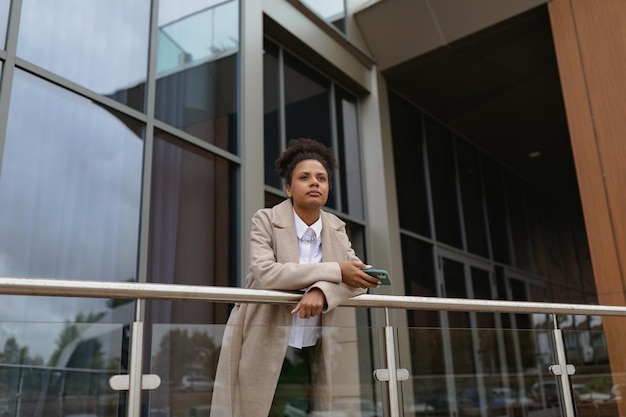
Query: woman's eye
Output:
(304,177)
(321,179)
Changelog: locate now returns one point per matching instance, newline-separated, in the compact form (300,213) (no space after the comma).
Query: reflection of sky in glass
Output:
(100,44)
(69,196)
(40,340)
(4,15)
(330,10)
(189,35)
(69,189)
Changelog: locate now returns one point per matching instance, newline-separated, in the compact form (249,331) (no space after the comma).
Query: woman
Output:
(286,255)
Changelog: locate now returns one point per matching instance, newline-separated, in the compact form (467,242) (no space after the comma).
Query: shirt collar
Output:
(301,226)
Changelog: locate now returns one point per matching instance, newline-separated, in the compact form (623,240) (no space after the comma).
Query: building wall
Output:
(589,40)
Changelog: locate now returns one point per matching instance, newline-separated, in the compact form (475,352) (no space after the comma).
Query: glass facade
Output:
(121,160)
(106,157)
(196,69)
(494,236)
(78,44)
(301,102)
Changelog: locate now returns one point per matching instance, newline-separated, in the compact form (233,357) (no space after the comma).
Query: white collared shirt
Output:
(305,332)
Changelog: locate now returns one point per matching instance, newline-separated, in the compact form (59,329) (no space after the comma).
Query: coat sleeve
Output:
(267,273)
(336,293)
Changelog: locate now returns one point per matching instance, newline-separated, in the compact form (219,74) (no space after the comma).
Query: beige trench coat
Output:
(256,336)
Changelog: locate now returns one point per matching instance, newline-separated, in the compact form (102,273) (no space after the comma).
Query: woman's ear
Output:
(288,190)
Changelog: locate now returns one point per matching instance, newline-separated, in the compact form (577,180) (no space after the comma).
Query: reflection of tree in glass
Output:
(70,332)
(13,358)
(183,353)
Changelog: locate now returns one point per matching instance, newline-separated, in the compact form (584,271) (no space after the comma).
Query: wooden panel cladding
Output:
(590,43)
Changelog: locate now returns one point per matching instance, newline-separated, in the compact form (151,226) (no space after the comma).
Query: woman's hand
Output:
(352,275)
(311,304)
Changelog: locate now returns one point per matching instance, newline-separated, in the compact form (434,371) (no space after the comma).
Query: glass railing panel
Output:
(597,384)
(186,358)
(60,369)
(477,372)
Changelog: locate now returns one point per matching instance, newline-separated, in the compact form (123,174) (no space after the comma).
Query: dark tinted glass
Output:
(559,245)
(99,44)
(461,339)
(197,67)
(495,198)
(70,192)
(519,292)
(535,215)
(419,279)
(307,106)
(349,153)
(271,108)
(408,156)
(193,226)
(472,198)
(443,183)
(481,286)
(518,221)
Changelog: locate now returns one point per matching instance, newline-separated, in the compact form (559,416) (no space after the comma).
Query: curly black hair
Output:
(302,149)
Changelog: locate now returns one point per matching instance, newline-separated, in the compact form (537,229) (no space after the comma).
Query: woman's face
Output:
(309,185)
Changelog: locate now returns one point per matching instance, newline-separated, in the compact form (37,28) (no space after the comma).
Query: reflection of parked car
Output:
(472,403)
(513,398)
(297,408)
(199,411)
(417,407)
(196,383)
(551,393)
(358,407)
(584,393)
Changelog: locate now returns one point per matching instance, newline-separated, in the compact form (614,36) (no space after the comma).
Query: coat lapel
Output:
(285,238)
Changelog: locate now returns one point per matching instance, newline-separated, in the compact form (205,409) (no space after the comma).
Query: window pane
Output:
(332,11)
(472,198)
(349,154)
(454,277)
(70,192)
(307,107)
(193,226)
(408,156)
(534,211)
(197,69)
(443,183)
(271,107)
(419,278)
(519,222)
(99,44)
(4,16)
(496,211)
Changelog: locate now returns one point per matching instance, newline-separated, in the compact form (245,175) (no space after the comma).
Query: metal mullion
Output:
(335,141)
(79,89)
(282,117)
(459,194)
(194,140)
(6,80)
(136,348)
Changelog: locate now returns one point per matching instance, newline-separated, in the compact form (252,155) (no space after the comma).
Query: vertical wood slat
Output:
(592,62)
(590,44)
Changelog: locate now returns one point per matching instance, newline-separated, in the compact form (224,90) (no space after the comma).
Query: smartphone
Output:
(380,274)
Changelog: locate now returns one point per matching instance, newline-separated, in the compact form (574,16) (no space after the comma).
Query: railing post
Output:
(563,371)
(135,369)
(390,350)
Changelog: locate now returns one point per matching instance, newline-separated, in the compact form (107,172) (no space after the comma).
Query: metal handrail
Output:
(177,292)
